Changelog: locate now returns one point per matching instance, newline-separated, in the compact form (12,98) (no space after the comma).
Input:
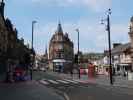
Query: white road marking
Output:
(65,82)
(72,81)
(52,81)
(44,82)
(82,81)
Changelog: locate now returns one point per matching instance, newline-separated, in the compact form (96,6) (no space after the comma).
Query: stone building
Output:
(61,51)
(12,48)
(131,39)
(3,37)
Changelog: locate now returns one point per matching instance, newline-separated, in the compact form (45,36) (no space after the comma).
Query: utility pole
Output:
(31,70)
(109,43)
(78,52)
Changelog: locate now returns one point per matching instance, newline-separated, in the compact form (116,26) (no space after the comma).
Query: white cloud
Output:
(96,5)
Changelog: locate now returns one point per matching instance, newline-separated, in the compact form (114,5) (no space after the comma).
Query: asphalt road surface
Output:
(79,90)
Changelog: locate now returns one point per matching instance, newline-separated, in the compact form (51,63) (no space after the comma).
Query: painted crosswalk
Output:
(72,81)
(44,82)
(57,82)
(52,81)
(62,81)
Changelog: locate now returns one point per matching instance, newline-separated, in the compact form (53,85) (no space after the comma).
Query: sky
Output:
(85,15)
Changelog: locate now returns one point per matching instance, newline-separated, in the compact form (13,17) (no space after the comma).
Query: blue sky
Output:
(82,14)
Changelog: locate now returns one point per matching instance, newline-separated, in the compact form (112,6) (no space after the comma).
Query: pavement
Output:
(28,90)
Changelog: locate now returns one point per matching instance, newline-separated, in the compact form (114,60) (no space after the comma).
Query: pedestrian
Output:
(124,73)
(114,71)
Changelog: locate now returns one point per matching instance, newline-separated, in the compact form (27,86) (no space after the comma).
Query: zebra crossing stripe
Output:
(44,82)
(81,81)
(78,81)
(72,81)
(52,81)
(65,82)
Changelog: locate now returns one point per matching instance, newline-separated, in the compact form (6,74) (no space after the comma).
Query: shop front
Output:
(123,69)
(58,65)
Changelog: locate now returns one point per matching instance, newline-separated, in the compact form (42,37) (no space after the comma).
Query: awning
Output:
(59,60)
(124,64)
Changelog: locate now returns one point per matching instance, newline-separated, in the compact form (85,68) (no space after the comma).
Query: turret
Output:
(2,5)
(59,29)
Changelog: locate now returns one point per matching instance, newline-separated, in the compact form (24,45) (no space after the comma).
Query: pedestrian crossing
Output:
(57,82)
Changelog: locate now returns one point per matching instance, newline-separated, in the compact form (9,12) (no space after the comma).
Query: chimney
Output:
(2,5)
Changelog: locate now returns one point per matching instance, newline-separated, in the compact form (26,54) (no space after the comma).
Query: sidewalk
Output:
(29,90)
(105,80)
(100,79)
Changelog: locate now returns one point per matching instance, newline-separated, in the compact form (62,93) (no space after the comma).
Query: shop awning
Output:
(124,64)
(59,60)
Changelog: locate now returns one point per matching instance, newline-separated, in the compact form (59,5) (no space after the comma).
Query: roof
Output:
(121,48)
(63,37)
(59,28)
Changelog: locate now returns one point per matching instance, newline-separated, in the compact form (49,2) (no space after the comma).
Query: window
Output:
(60,47)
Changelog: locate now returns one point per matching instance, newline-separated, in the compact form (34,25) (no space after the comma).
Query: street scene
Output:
(66,50)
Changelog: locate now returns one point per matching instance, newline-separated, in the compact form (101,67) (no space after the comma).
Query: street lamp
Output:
(33,23)
(77,30)
(109,43)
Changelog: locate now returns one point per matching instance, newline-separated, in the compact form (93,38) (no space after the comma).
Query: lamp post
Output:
(33,23)
(109,43)
(78,52)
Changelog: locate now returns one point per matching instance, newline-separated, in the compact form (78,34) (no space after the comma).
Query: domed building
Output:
(61,51)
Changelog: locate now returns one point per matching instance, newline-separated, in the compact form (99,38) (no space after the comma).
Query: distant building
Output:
(61,51)
(121,58)
(92,57)
(41,61)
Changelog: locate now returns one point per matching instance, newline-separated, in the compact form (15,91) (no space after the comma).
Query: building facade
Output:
(131,39)
(121,58)
(61,51)
(12,49)
(3,38)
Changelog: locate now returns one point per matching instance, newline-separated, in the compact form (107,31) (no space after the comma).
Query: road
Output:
(28,90)
(77,90)
(52,86)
